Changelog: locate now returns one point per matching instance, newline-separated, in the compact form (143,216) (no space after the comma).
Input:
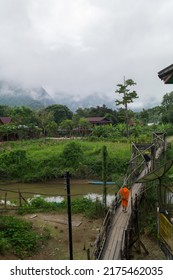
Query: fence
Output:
(22,197)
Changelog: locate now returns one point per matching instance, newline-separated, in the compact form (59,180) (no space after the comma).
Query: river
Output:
(55,190)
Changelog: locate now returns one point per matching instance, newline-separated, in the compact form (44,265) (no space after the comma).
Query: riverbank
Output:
(84,233)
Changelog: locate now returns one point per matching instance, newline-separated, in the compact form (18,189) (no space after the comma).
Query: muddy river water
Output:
(55,190)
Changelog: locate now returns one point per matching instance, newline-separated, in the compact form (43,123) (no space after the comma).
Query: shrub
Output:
(18,236)
(80,205)
(72,155)
(4,245)
(38,204)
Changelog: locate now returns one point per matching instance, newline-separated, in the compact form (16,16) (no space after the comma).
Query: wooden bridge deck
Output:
(115,240)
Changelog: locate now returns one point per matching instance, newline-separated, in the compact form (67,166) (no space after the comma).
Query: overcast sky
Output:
(81,47)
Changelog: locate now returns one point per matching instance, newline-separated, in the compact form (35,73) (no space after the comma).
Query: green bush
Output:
(18,236)
(72,155)
(38,204)
(91,209)
(4,245)
(85,206)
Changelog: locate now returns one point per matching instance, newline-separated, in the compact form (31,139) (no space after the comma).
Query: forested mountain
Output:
(12,94)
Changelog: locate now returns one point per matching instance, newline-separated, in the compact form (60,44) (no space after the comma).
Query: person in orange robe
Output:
(124,194)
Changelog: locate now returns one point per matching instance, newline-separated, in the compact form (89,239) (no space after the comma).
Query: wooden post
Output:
(104,175)
(153,154)
(5,200)
(67,179)
(20,200)
(88,254)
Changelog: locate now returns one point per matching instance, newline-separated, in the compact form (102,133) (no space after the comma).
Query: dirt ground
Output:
(151,245)
(84,233)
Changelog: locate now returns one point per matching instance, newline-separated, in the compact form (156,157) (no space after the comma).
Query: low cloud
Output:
(80,47)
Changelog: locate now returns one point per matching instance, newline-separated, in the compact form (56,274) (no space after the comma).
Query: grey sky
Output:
(81,47)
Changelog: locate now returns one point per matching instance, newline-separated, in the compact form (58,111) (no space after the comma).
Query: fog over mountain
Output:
(13,94)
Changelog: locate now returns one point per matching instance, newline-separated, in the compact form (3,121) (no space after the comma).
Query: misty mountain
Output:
(93,100)
(96,99)
(12,94)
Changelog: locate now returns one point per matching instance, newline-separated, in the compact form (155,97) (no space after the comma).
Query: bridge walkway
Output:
(115,242)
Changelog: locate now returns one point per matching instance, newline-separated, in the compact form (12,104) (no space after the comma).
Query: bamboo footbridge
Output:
(114,239)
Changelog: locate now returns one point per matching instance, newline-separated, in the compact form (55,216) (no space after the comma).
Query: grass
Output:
(18,237)
(45,159)
(85,206)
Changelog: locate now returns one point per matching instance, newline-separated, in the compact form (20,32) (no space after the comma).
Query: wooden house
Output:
(5,120)
(166,74)
(99,120)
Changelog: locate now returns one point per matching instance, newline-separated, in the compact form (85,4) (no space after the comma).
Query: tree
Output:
(67,125)
(51,128)
(167,108)
(84,125)
(128,97)
(60,112)
(45,118)
(167,100)
(72,155)
(23,116)
(4,110)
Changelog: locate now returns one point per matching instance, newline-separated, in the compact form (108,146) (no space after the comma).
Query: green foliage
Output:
(38,204)
(128,96)
(13,164)
(23,115)
(17,236)
(85,206)
(90,209)
(147,210)
(51,128)
(4,244)
(39,160)
(72,155)
(60,112)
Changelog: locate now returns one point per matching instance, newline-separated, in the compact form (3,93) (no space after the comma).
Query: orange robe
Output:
(124,193)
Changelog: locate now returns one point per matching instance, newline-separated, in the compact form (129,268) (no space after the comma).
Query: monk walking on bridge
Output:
(124,194)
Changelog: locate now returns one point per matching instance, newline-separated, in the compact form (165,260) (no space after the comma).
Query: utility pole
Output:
(67,182)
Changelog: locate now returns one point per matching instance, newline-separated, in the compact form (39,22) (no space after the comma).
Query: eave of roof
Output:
(5,120)
(166,74)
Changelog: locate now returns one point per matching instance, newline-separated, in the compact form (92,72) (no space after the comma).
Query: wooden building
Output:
(5,120)
(99,120)
(166,74)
